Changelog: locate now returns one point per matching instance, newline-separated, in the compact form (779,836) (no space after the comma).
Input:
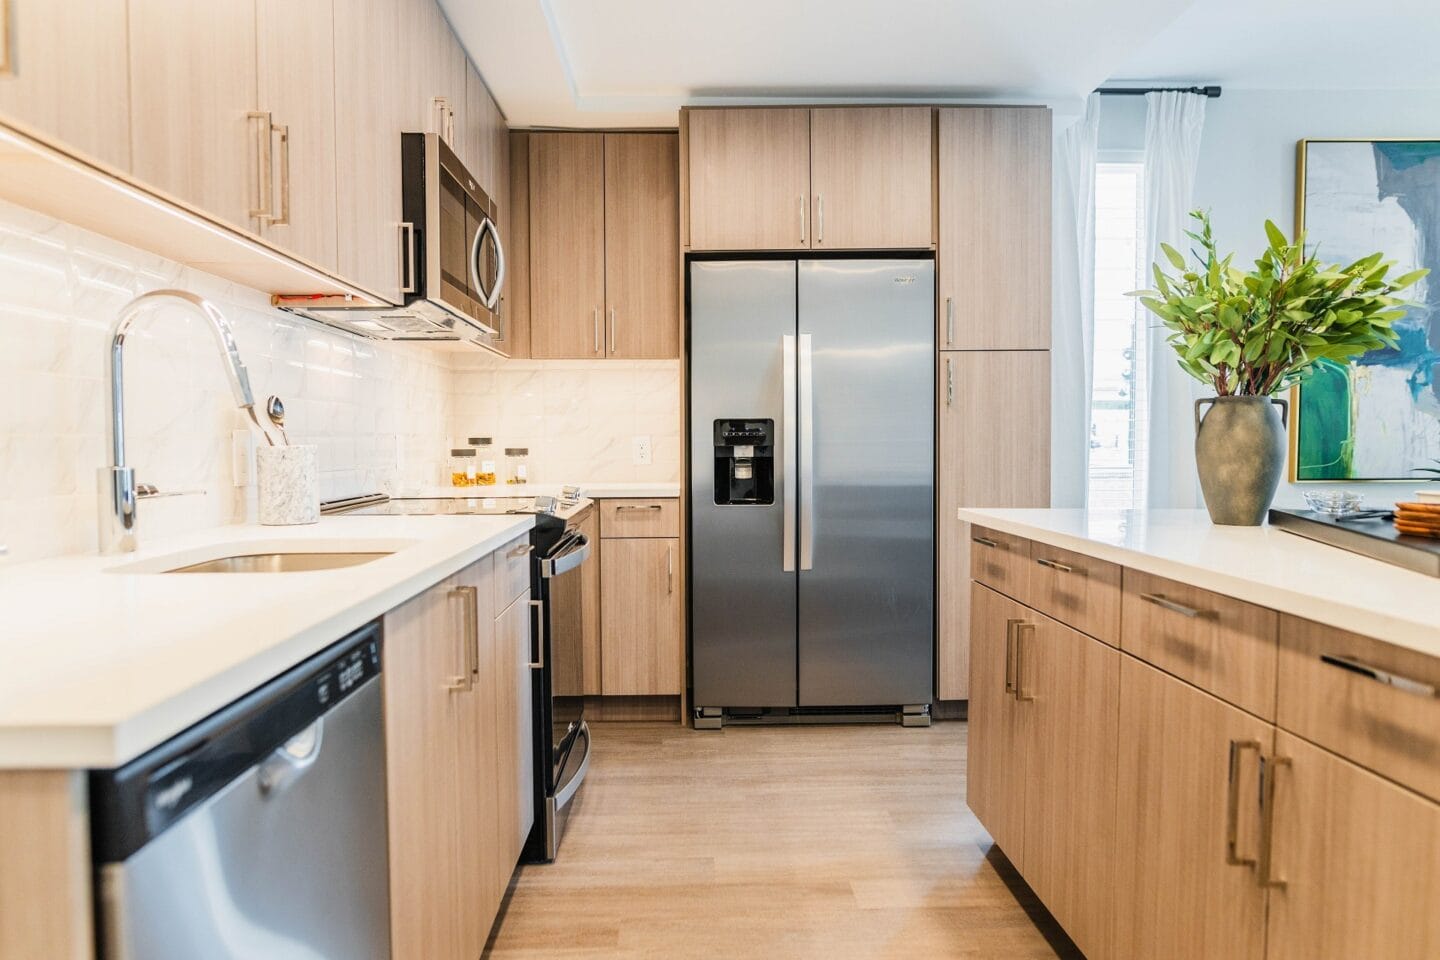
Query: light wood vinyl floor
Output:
(811,843)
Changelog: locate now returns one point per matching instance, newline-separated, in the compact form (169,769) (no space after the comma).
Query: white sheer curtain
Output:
(1072,357)
(1173,123)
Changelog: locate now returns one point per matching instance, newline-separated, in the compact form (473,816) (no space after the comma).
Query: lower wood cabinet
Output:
(998,736)
(513,711)
(641,617)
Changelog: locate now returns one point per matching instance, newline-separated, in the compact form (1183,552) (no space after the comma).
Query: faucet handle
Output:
(148,491)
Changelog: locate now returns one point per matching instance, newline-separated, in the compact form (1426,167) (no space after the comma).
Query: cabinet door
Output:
(515,230)
(192,88)
(1177,893)
(640,617)
(997,740)
(514,725)
(994,452)
(994,252)
(1357,855)
(567,245)
(870,177)
(749,179)
(368,122)
(477,839)
(426,706)
(642,245)
(1071,686)
(64,73)
(296,74)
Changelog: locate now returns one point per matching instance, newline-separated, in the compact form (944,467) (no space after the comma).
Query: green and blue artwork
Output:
(1378,417)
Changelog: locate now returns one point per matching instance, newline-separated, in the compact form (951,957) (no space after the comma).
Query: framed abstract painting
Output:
(1379,417)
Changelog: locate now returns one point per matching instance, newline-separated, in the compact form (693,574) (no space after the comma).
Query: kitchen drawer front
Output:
(1001,561)
(1077,590)
(512,572)
(1221,645)
(1372,703)
(640,518)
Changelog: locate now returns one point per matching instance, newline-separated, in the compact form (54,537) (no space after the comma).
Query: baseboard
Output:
(950,710)
(603,709)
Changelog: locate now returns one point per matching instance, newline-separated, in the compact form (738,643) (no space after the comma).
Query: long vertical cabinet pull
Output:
(788,440)
(1010,626)
(819,218)
(669,568)
(1269,776)
(802,220)
(612,331)
(7,64)
(807,455)
(537,607)
(1232,803)
(264,161)
(949,321)
(283,218)
(1020,629)
(595,322)
(949,382)
(469,640)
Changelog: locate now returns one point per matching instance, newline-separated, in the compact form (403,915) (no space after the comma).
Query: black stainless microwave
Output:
(453,265)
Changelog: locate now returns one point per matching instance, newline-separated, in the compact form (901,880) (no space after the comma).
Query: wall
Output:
(577,417)
(377,412)
(1246,172)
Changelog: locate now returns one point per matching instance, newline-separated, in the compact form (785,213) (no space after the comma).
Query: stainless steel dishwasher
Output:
(260,831)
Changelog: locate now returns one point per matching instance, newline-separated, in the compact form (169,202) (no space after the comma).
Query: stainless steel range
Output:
(562,738)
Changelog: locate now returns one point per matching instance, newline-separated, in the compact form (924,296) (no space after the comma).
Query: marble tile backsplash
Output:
(578,418)
(379,413)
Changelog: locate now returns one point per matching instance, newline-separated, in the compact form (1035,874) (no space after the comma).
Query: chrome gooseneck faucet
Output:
(118,492)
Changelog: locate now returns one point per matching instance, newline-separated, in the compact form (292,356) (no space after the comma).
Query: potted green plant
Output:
(1251,335)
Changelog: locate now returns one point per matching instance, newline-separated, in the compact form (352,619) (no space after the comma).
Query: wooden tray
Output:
(1372,538)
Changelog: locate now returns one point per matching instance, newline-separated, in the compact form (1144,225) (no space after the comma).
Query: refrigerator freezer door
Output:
(866,604)
(743,598)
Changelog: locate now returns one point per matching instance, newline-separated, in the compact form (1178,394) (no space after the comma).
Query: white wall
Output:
(1247,170)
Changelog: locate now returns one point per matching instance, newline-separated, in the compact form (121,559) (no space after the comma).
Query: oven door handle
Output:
(566,792)
(576,552)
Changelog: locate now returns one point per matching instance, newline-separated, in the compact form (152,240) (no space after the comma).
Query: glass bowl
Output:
(1333,503)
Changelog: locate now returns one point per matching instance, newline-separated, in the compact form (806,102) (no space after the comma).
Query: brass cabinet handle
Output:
(985,541)
(1409,685)
(1055,565)
(1232,803)
(1269,770)
(469,640)
(1020,694)
(949,321)
(1165,603)
(1010,626)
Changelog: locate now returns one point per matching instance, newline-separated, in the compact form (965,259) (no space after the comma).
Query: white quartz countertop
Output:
(1262,565)
(98,666)
(595,491)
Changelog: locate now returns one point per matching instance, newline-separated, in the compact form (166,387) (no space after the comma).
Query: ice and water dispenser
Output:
(744,461)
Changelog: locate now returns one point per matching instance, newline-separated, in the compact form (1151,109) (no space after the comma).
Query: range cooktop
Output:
(380,505)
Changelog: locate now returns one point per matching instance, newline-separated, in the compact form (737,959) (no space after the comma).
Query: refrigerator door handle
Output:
(787,427)
(807,455)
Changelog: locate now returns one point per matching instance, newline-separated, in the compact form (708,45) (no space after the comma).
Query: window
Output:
(1117,424)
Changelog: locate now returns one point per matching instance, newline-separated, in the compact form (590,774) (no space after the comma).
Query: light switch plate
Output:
(242,457)
(640,449)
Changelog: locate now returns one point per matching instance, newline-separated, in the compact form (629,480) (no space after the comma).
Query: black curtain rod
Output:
(1211,92)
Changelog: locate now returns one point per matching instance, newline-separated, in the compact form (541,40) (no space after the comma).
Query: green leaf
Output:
(1173,255)
(1277,239)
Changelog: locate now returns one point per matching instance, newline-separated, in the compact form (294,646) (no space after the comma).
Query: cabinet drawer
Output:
(1223,646)
(1076,590)
(512,572)
(1370,702)
(1001,561)
(640,518)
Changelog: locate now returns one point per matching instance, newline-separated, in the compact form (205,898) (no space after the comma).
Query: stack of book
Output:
(1418,518)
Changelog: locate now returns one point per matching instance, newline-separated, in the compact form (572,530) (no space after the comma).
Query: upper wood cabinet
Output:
(63,72)
(296,75)
(193,99)
(871,178)
(793,178)
(604,248)
(994,250)
(567,245)
(749,183)
(515,298)
(642,245)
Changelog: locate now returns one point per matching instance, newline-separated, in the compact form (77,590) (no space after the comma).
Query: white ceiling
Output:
(633,63)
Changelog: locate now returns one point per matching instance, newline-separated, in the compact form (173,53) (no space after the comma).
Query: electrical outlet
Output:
(640,449)
(242,457)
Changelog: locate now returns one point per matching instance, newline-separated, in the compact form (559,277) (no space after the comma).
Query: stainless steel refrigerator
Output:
(811,477)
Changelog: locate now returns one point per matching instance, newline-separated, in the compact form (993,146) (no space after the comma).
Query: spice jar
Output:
(485,460)
(462,467)
(517,465)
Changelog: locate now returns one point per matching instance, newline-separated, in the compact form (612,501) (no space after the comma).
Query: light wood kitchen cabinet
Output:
(567,245)
(984,465)
(513,719)
(296,75)
(369,121)
(749,178)
(1353,861)
(999,734)
(1183,889)
(641,617)
(871,181)
(515,300)
(993,256)
(63,73)
(193,95)
(642,245)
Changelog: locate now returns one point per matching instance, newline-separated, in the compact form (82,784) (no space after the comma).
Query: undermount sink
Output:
(279,562)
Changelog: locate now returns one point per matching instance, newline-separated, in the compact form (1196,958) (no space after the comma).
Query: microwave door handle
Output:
(490,298)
